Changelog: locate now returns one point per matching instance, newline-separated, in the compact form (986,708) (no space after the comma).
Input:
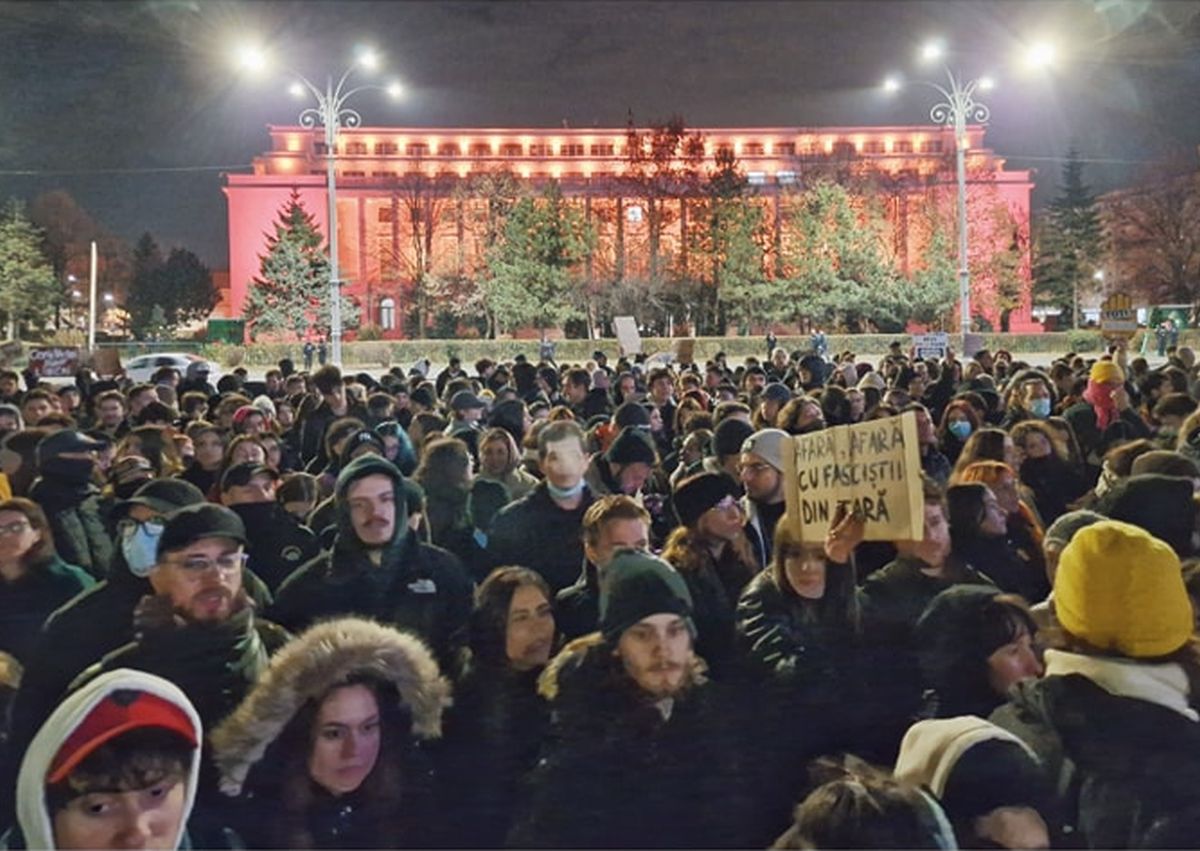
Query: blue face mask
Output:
(564,493)
(960,429)
(139,545)
(1040,408)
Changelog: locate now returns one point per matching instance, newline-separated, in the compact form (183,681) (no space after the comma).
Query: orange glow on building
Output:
(379,171)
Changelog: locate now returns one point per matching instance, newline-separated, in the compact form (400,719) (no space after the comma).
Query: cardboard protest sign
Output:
(931,346)
(1118,316)
(627,335)
(872,467)
(54,361)
(685,350)
(106,361)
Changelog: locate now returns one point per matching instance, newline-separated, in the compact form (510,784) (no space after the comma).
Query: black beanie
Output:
(990,775)
(729,436)
(632,446)
(638,585)
(699,493)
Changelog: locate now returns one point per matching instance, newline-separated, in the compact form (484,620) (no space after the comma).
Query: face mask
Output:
(139,545)
(563,494)
(1040,408)
(960,429)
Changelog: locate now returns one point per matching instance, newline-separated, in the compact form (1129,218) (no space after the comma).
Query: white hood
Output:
(931,749)
(32,815)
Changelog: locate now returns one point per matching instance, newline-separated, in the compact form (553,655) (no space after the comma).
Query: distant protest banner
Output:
(931,346)
(54,361)
(627,335)
(873,468)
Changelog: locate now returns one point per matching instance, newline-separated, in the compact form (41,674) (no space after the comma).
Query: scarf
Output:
(1163,684)
(1099,396)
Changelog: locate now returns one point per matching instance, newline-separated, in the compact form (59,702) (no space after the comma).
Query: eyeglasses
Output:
(226,564)
(14,528)
(153,526)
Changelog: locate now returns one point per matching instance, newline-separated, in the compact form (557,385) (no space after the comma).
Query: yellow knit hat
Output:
(1120,588)
(1104,371)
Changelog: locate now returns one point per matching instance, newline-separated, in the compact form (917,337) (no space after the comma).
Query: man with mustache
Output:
(639,733)
(378,568)
(199,629)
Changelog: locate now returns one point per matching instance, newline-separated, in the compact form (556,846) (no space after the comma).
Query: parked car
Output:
(143,367)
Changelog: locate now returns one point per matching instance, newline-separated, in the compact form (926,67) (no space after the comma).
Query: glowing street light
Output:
(1040,55)
(331,113)
(250,57)
(932,51)
(891,84)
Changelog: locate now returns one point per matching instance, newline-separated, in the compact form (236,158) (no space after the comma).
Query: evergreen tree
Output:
(1069,242)
(933,289)
(166,294)
(28,285)
(531,269)
(291,294)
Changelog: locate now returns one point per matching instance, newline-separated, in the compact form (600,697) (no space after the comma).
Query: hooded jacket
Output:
(248,745)
(416,586)
(35,821)
(534,532)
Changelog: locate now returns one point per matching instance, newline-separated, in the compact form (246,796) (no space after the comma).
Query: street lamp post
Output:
(957,109)
(331,114)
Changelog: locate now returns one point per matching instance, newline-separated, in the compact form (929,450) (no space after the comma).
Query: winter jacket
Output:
(27,602)
(616,774)
(1054,485)
(35,822)
(278,544)
(254,749)
(493,734)
(214,664)
(76,523)
(761,539)
(1122,764)
(415,586)
(992,556)
(577,607)
(534,532)
(518,482)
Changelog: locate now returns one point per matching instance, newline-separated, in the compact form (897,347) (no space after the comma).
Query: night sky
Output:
(96,94)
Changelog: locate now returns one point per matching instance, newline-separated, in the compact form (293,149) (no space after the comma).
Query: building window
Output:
(605,150)
(387,313)
(356,147)
(931,146)
(810,149)
(725,150)
(383,174)
(383,149)
(902,146)
(633,213)
(539,149)
(480,149)
(843,149)
(785,149)
(511,151)
(873,147)
(354,174)
(386,214)
(571,150)
(449,149)
(320,149)
(752,149)
(417,149)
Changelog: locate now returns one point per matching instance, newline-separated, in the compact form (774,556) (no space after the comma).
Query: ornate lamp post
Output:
(330,113)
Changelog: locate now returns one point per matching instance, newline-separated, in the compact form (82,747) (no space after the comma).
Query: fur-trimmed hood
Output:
(307,667)
(578,661)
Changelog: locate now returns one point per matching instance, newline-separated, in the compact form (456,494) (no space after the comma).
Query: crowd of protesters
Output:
(538,605)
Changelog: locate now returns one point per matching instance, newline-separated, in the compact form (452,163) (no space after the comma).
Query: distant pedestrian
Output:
(322,352)
(772,342)
(309,350)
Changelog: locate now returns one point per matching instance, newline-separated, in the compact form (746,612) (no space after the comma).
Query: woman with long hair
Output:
(959,421)
(157,445)
(322,753)
(985,444)
(1046,471)
(495,728)
(34,581)
(979,535)
(1024,530)
(711,551)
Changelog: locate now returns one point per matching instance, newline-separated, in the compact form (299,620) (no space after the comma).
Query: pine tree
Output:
(291,294)
(165,294)
(1069,242)
(27,282)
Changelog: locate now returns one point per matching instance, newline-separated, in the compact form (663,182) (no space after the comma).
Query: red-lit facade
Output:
(381,171)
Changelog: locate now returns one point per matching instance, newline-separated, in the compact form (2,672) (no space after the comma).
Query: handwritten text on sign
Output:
(873,468)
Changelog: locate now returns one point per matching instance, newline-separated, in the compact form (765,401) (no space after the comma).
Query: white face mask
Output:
(139,545)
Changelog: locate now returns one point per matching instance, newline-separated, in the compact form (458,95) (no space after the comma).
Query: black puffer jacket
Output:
(1123,765)
(416,587)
